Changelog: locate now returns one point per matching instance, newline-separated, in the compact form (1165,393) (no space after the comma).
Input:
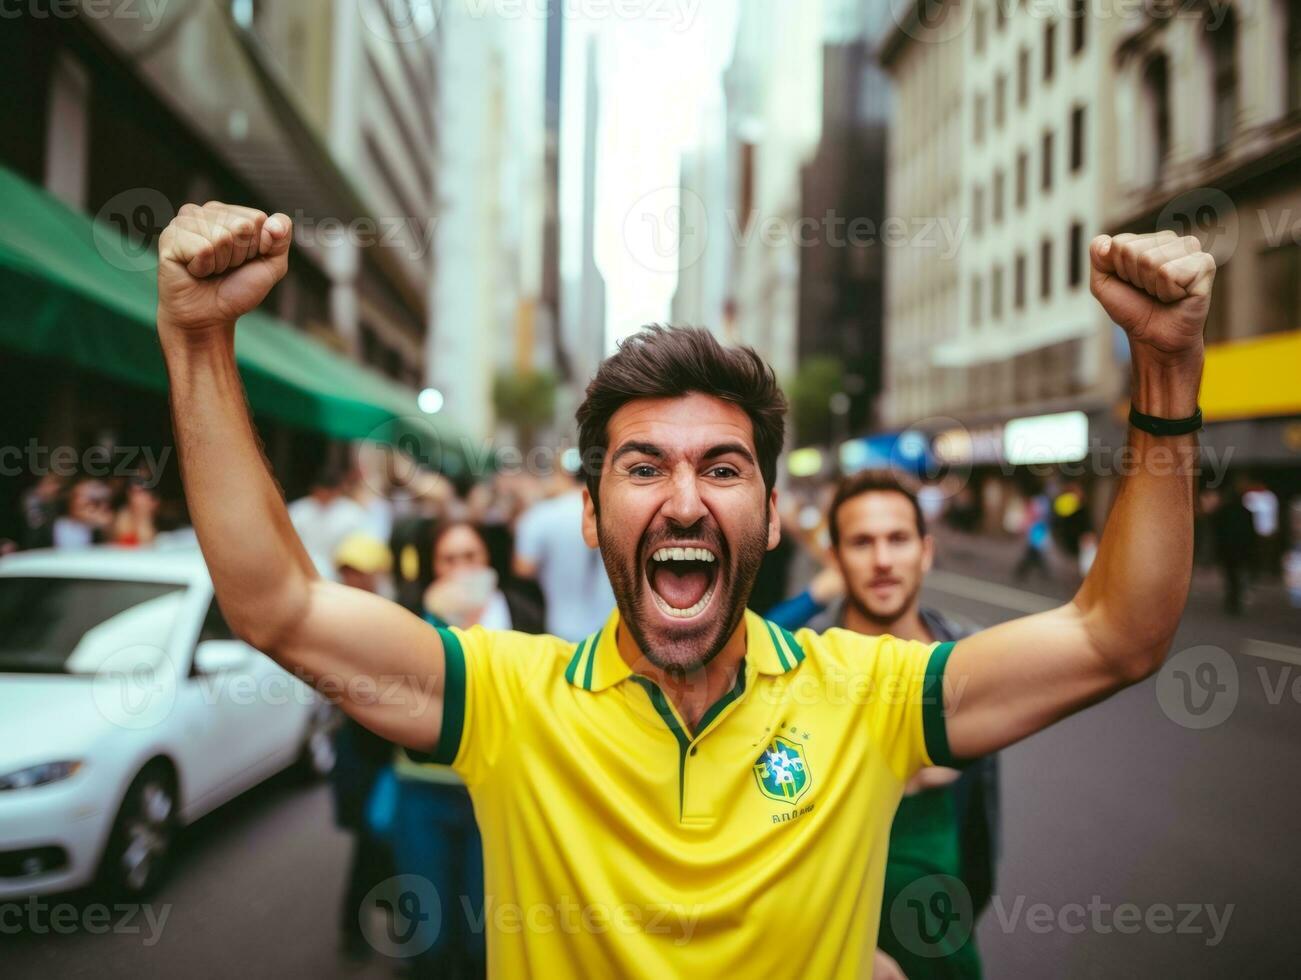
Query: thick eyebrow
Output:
(728,449)
(641,448)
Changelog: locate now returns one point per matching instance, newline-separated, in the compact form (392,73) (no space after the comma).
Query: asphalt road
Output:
(1135,845)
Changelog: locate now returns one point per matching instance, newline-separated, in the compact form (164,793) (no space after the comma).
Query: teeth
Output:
(683,554)
(683,613)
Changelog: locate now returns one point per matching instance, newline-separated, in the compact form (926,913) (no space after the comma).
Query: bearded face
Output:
(683,526)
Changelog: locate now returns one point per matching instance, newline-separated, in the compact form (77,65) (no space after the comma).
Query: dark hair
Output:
(869,481)
(668,362)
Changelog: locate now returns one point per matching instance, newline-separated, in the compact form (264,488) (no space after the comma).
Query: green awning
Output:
(78,291)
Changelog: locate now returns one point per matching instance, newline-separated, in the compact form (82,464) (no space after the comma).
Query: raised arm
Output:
(1009,681)
(382,664)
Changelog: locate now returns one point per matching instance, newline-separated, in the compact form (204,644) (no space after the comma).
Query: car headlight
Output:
(47,772)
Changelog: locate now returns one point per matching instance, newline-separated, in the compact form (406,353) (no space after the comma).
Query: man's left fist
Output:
(1157,287)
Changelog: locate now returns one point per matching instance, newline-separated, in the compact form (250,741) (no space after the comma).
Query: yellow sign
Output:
(1251,378)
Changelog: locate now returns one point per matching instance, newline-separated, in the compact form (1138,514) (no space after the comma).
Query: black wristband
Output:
(1153,425)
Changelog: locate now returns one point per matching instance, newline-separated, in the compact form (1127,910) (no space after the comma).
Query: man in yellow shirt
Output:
(690,790)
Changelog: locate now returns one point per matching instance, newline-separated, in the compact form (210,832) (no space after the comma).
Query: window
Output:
(1046,269)
(1000,100)
(1000,13)
(1223,40)
(977,299)
(982,25)
(214,625)
(1077,139)
(977,209)
(1018,282)
(1280,289)
(996,297)
(998,195)
(1022,178)
(1078,26)
(1023,77)
(1075,268)
(1050,46)
(978,118)
(1156,96)
(1294,56)
(1046,178)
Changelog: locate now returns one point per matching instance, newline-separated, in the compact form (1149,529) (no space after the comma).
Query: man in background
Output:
(945,829)
(549,547)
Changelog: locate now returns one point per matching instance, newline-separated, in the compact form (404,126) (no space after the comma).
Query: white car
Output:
(127,710)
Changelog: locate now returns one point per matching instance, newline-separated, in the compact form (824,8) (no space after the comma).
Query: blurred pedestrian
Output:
(87,515)
(327,514)
(1235,543)
(1035,525)
(1262,503)
(362,562)
(135,524)
(549,547)
(40,509)
(944,836)
(435,834)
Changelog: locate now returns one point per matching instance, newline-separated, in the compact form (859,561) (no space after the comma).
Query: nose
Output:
(684,505)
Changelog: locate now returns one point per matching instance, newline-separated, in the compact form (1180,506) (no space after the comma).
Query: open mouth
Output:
(682,579)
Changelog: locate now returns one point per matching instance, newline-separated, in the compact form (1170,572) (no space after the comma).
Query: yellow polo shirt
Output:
(617,843)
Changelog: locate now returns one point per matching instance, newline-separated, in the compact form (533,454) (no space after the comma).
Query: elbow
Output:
(269,625)
(1140,660)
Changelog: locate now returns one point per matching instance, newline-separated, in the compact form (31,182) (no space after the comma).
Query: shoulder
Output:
(508,654)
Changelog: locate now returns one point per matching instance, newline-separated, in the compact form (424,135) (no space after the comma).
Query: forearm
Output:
(1135,592)
(260,570)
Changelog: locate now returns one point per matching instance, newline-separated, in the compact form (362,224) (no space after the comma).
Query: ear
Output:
(928,554)
(774,521)
(589,520)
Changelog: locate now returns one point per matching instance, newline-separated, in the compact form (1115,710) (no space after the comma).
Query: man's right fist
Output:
(218,262)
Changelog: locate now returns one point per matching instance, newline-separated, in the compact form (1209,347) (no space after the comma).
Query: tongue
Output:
(680,584)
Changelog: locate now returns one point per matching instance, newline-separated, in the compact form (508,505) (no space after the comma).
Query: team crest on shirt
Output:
(783,771)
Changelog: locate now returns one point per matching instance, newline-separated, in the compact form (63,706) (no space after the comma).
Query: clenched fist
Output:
(218,262)
(1157,287)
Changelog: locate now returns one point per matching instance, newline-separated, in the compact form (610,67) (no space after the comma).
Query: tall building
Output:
(842,264)
(488,270)
(999,134)
(1209,143)
(704,239)
(773,88)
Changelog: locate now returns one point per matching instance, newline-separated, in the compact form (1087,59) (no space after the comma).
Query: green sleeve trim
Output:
(449,734)
(934,726)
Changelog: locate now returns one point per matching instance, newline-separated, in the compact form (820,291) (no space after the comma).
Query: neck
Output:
(907,625)
(692,693)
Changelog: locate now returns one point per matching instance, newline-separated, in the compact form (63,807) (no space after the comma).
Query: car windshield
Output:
(79,626)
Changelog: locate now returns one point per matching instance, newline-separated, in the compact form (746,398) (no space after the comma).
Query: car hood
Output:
(49,719)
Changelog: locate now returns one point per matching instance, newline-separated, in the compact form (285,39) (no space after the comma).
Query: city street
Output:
(1120,805)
